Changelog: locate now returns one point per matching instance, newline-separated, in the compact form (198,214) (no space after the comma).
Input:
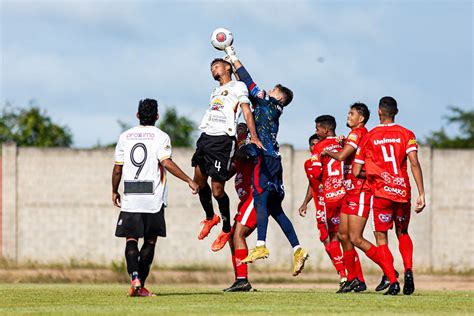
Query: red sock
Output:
(241,269)
(337,257)
(349,262)
(358,268)
(405,245)
(373,255)
(387,262)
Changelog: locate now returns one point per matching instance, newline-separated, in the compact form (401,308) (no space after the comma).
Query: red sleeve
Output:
(313,166)
(361,151)
(412,144)
(354,138)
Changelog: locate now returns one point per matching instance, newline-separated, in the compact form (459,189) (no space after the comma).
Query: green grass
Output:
(180,300)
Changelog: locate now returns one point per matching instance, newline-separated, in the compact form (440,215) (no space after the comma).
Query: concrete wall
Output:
(56,207)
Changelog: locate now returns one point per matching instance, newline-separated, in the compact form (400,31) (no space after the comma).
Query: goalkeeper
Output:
(267,179)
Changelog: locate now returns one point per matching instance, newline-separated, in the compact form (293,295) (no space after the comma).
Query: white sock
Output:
(260,243)
(295,248)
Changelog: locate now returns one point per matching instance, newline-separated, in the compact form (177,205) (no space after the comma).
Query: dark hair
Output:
(147,111)
(220,60)
(326,121)
(388,106)
(362,109)
(312,137)
(287,94)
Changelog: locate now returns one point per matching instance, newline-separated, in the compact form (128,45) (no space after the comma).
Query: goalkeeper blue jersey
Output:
(267,114)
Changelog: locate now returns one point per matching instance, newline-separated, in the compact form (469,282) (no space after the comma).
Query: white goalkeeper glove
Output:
(230,51)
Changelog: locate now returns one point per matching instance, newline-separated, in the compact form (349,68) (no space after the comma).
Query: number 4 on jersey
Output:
(390,158)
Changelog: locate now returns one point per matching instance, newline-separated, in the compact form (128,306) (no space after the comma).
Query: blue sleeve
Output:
(254,90)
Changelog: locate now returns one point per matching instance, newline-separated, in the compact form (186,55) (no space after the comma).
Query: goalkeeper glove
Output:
(230,51)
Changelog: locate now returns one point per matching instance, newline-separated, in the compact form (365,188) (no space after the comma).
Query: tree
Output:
(32,127)
(179,128)
(465,120)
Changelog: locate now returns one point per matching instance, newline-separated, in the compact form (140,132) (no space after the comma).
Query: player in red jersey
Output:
(384,154)
(330,173)
(356,204)
(318,202)
(246,217)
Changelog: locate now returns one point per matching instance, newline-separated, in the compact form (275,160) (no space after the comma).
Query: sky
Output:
(88,63)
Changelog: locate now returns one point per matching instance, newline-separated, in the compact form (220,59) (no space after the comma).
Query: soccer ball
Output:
(221,38)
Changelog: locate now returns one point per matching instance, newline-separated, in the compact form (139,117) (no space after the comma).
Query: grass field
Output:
(181,300)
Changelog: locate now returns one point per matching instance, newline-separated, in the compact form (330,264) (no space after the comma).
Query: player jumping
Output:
(215,147)
(356,205)
(384,152)
(267,178)
(142,155)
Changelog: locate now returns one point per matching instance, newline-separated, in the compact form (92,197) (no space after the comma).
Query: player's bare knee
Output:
(356,239)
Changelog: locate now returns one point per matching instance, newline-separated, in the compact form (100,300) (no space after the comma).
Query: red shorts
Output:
(386,212)
(246,213)
(321,221)
(333,212)
(357,204)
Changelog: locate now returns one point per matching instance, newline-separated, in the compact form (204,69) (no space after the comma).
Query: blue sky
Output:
(89,62)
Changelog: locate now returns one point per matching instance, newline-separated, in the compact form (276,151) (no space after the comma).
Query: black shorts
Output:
(214,155)
(141,225)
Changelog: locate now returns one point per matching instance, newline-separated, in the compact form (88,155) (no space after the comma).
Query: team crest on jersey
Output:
(167,147)
(225,92)
(260,94)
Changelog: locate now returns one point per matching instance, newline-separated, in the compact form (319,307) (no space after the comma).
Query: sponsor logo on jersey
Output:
(137,135)
(321,215)
(217,104)
(352,137)
(225,92)
(332,147)
(412,141)
(349,185)
(337,193)
(260,94)
(385,218)
(387,140)
(167,147)
(395,191)
(336,221)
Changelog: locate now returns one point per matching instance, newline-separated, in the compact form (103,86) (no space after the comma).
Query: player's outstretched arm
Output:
(176,171)
(243,75)
(346,151)
(418,175)
(307,198)
(116,177)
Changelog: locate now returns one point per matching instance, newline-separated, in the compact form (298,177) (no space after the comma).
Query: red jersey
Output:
(329,170)
(384,152)
(243,178)
(352,184)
